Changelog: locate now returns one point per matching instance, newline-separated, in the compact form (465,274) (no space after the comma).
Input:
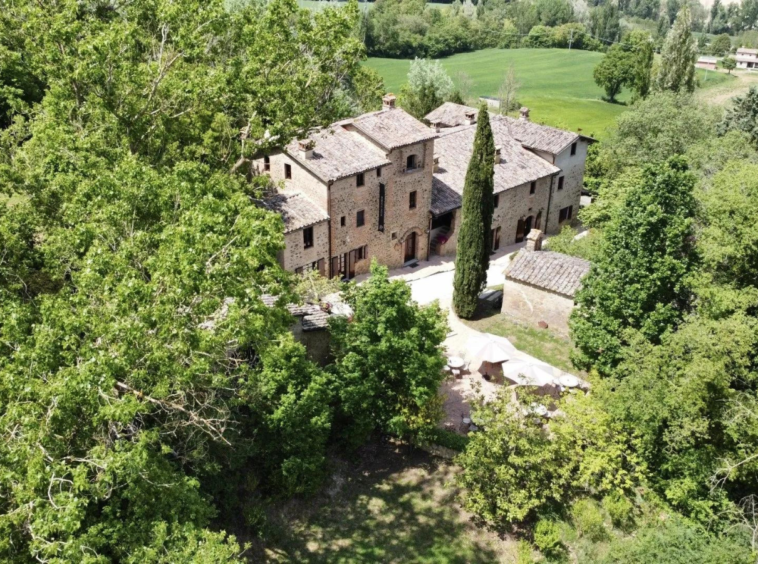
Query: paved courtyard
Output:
(433,280)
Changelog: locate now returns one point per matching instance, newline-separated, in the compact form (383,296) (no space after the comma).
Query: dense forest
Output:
(410,28)
(152,403)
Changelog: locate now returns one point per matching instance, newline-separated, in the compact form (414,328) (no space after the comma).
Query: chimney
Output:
(534,241)
(524,113)
(470,117)
(388,101)
(435,125)
(498,154)
(436,160)
(305,148)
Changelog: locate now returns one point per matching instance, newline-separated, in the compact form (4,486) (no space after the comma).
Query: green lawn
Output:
(384,505)
(556,84)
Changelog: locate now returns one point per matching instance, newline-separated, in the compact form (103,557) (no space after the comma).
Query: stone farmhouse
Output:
(747,58)
(384,185)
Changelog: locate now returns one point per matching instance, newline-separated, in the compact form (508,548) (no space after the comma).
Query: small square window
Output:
(497,200)
(378,172)
(308,237)
(342,221)
(532,187)
(560,183)
(410,162)
(359,180)
(565,214)
(412,200)
(360,218)
(573,149)
(394,236)
(266,163)
(288,171)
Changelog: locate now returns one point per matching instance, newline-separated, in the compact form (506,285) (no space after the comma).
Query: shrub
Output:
(547,537)
(588,520)
(619,509)
(449,439)
(524,553)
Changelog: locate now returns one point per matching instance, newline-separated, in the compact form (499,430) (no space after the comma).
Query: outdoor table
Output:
(456,362)
(569,381)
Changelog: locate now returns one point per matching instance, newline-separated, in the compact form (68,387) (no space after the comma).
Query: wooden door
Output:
(528,225)
(538,220)
(410,247)
(495,239)
(350,265)
(520,231)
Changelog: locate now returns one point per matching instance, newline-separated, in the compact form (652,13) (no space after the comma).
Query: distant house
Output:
(492,103)
(540,285)
(747,58)
(708,63)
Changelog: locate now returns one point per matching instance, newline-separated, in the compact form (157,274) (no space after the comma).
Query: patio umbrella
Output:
(528,373)
(490,348)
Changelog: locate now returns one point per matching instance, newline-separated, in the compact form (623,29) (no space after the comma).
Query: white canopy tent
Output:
(490,348)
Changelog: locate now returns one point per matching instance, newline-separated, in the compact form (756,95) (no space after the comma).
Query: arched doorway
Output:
(410,247)
(528,225)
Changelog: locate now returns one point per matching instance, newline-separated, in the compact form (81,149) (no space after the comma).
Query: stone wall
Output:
(295,255)
(399,220)
(530,305)
(317,343)
(302,179)
(517,203)
(572,169)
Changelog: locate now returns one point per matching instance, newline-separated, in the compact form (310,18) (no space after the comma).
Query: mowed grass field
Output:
(556,84)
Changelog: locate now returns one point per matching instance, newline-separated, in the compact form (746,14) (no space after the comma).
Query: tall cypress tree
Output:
(678,56)
(473,258)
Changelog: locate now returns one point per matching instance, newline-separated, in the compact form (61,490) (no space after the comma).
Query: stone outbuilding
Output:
(540,285)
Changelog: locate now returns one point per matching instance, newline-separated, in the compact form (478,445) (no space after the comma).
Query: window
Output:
(359,180)
(380,227)
(299,270)
(266,164)
(360,218)
(394,235)
(287,171)
(412,200)
(379,172)
(565,214)
(361,252)
(573,149)
(560,183)
(410,162)
(497,200)
(342,221)
(308,237)
(532,187)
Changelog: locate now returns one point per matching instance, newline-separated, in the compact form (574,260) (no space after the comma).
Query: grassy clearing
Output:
(539,343)
(385,505)
(556,84)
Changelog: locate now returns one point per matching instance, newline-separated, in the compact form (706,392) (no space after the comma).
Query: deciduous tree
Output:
(678,56)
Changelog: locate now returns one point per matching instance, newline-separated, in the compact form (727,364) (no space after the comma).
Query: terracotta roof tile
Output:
(338,153)
(547,270)
(296,210)
(393,128)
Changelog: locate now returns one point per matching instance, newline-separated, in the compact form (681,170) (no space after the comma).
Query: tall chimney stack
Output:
(388,101)
(524,113)
(305,148)
(470,117)
(498,154)
(435,125)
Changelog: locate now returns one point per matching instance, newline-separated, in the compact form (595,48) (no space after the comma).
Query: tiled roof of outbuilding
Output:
(296,210)
(518,166)
(338,153)
(393,128)
(554,272)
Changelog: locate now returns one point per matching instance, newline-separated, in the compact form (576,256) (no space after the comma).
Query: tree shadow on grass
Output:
(386,505)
